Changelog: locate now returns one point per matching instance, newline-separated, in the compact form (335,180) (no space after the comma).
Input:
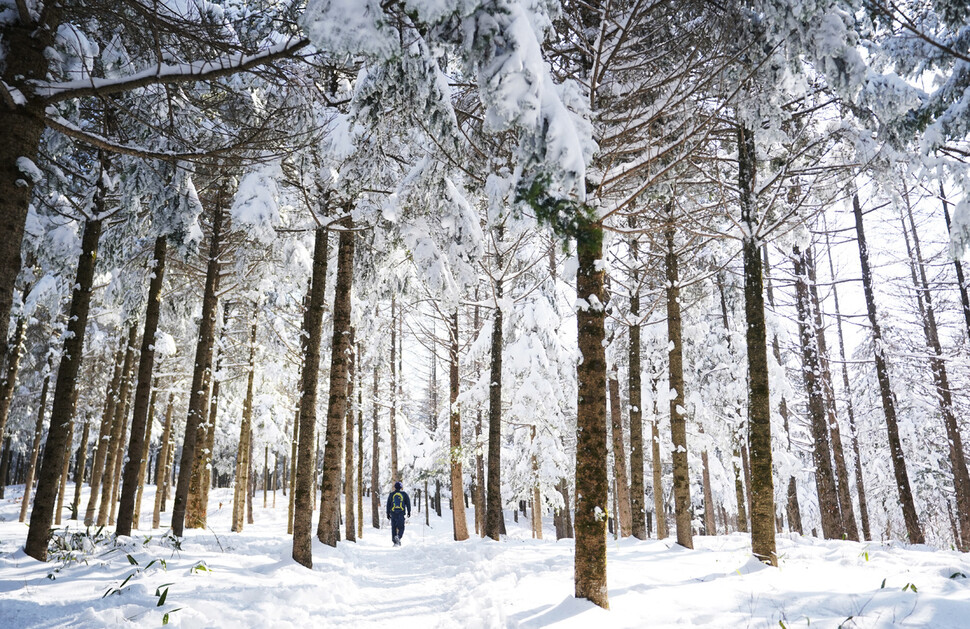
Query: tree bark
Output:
(196,508)
(145,455)
(828,500)
(303,487)
(395,471)
(710,528)
(66,466)
(624,513)
(494,518)
(739,488)
(245,438)
(913,528)
(118,427)
(360,442)
(536,492)
(759,401)
(592,478)
(164,455)
(146,365)
(375,481)
(479,458)
(460,524)
(35,448)
(104,435)
(328,529)
(116,472)
(202,370)
(941,380)
(957,265)
(846,509)
(210,433)
(5,464)
(22,128)
(81,463)
(657,467)
(793,511)
(9,382)
(65,390)
(637,493)
(678,422)
(350,521)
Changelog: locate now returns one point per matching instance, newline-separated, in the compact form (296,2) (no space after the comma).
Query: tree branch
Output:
(166,74)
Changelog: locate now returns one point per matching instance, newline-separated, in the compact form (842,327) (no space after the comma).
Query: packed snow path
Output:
(223,579)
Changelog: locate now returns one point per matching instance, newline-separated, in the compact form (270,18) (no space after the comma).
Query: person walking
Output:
(398,507)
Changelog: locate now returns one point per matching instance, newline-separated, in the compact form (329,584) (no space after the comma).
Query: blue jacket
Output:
(405,503)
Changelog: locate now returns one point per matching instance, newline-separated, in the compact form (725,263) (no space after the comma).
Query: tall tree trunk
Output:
(5,463)
(303,487)
(561,516)
(924,301)
(460,524)
(860,483)
(29,40)
(293,458)
(145,455)
(104,435)
(360,441)
(81,463)
(118,427)
(624,514)
(656,464)
(678,422)
(792,509)
(739,459)
(35,448)
(395,471)
(536,491)
(202,369)
(710,528)
(65,467)
(759,401)
(494,518)
(116,473)
(828,500)
(210,432)
(913,528)
(479,457)
(9,383)
(846,509)
(739,487)
(350,521)
(165,453)
(252,485)
(245,437)
(146,365)
(328,529)
(65,390)
(957,265)
(375,480)
(196,507)
(592,477)
(637,493)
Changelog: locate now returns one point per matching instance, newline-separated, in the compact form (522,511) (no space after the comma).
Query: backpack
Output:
(397,501)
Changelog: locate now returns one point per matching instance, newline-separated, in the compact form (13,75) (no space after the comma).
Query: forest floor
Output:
(221,579)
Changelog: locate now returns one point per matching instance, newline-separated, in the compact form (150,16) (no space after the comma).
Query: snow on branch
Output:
(62,125)
(166,73)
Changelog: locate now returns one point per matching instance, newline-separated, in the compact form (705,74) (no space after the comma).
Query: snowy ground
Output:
(223,579)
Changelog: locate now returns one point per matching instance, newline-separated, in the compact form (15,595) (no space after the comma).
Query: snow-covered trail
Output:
(430,581)
(222,579)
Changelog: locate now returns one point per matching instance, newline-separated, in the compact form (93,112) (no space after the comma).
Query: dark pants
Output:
(397,526)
